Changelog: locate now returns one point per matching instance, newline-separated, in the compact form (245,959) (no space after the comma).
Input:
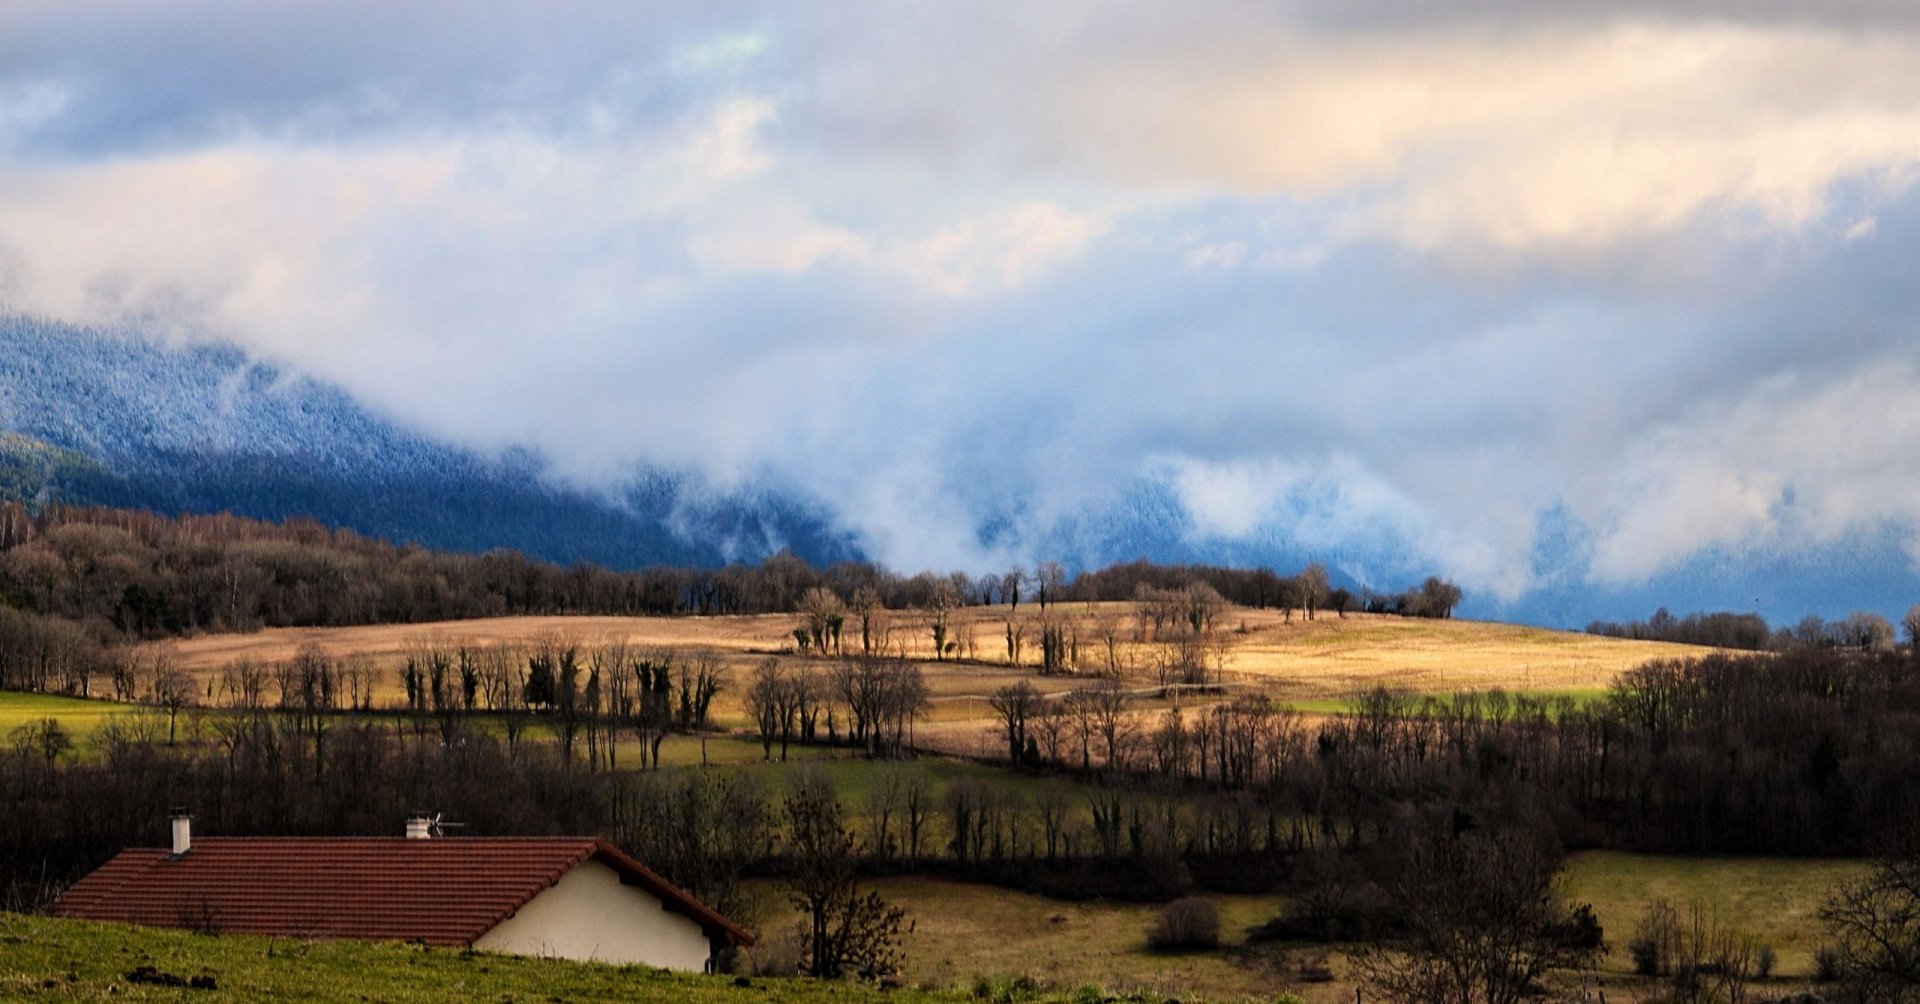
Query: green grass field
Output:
(964,931)
(81,718)
(1773,899)
(965,936)
(59,960)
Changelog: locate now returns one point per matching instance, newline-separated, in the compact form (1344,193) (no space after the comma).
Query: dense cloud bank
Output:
(1560,300)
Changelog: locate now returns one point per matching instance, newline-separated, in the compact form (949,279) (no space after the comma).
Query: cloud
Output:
(1786,467)
(1341,279)
(999,251)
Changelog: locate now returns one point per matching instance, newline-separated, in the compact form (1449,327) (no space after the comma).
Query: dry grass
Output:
(965,931)
(1313,664)
(1331,656)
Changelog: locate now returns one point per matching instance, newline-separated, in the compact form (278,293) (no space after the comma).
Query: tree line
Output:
(76,583)
(1803,753)
(1862,630)
(1390,823)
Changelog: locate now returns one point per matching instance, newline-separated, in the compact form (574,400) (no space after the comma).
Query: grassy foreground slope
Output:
(62,960)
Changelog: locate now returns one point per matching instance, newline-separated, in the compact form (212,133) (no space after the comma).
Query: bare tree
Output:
(769,707)
(608,661)
(1015,704)
(702,676)
(243,685)
(173,690)
(361,677)
(497,668)
(883,803)
(1866,631)
(124,670)
(1010,584)
(826,616)
(810,699)
(940,603)
(858,684)
(1051,726)
(1105,705)
(1312,587)
(845,931)
(1912,623)
(1048,579)
(44,739)
(1876,924)
(1485,918)
(1440,597)
(1158,608)
(1056,645)
(1054,804)
(866,605)
(509,666)
(905,699)
(1106,627)
(652,694)
(917,801)
(1341,600)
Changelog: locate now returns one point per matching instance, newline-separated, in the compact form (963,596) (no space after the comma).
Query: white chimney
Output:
(182,832)
(419,827)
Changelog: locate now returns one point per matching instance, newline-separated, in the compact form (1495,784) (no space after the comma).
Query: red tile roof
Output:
(444,891)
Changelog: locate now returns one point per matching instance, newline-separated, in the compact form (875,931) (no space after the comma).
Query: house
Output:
(564,897)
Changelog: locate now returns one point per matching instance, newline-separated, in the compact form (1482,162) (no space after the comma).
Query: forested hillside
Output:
(111,419)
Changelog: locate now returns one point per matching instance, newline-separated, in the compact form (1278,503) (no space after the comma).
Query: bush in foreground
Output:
(1186,925)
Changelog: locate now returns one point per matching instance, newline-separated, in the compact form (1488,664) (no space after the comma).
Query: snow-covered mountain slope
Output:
(116,419)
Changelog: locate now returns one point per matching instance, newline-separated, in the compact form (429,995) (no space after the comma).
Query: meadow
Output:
(1316,666)
(965,933)
(1775,900)
(81,718)
(967,941)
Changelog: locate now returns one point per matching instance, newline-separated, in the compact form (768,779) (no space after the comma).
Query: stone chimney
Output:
(182,831)
(419,827)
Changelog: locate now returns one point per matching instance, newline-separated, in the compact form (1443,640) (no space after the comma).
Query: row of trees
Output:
(1819,734)
(588,696)
(1858,630)
(1310,591)
(142,575)
(1808,752)
(880,700)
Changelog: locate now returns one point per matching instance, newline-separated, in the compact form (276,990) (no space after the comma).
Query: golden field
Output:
(1315,665)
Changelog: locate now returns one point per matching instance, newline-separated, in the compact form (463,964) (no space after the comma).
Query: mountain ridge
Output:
(111,418)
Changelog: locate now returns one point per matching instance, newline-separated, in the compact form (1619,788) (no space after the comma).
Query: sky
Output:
(1527,294)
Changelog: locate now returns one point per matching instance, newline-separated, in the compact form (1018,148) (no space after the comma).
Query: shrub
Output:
(1764,960)
(778,953)
(1581,930)
(1828,963)
(1655,936)
(1011,989)
(1186,924)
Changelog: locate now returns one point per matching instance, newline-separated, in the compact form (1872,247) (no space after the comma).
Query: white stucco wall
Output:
(588,915)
